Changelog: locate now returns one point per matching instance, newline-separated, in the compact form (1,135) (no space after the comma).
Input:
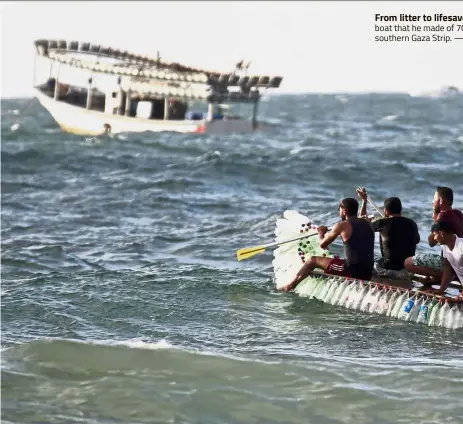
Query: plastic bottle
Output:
(366,301)
(346,294)
(317,286)
(407,307)
(335,293)
(362,293)
(331,291)
(383,303)
(392,302)
(432,321)
(338,293)
(413,314)
(422,317)
(354,293)
(451,317)
(376,299)
(443,314)
(321,293)
(458,323)
(400,303)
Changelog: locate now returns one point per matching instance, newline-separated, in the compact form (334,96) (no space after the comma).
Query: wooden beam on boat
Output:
(166,108)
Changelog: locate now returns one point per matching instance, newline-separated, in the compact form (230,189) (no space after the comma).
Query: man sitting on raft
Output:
(452,250)
(429,264)
(398,237)
(358,239)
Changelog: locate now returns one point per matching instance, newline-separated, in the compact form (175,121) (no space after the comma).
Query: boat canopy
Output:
(133,65)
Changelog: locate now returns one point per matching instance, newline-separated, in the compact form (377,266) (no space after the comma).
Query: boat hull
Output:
(401,299)
(80,121)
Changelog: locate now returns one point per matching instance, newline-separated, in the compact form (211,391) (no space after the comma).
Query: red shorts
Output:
(336,267)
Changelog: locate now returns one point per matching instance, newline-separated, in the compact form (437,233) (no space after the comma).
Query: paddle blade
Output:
(249,252)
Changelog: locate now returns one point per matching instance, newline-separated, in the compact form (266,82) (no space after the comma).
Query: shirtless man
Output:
(398,237)
(452,249)
(358,238)
(429,264)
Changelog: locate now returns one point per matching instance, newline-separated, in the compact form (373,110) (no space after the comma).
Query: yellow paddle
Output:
(249,252)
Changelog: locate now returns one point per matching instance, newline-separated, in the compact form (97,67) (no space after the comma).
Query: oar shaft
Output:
(288,241)
(372,204)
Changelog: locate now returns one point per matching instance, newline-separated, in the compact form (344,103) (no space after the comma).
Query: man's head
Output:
(442,232)
(348,208)
(443,199)
(392,206)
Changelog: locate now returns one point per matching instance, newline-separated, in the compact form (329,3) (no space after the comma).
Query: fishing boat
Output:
(91,89)
(400,299)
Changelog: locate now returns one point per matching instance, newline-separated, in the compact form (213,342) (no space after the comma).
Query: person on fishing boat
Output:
(428,264)
(358,239)
(452,251)
(398,237)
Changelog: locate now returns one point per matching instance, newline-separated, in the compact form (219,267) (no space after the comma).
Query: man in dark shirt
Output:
(429,264)
(358,238)
(398,237)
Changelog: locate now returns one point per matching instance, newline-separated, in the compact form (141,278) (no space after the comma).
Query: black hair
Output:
(446,193)
(350,205)
(444,226)
(393,205)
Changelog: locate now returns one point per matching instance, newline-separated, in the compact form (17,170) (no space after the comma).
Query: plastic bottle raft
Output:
(366,296)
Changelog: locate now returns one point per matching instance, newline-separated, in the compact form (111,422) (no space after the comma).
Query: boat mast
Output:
(254,113)
(56,93)
(210,111)
(127,103)
(89,93)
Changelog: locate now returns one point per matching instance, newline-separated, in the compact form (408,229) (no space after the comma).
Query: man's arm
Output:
(327,237)
(446,277)
(362,193)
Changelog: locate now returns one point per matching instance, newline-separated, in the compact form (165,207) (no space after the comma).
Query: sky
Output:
(325,47)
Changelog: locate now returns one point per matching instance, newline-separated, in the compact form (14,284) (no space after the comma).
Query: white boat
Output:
(401,299)
(91,89)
